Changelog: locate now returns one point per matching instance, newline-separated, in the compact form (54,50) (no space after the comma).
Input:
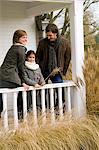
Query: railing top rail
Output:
(66,83)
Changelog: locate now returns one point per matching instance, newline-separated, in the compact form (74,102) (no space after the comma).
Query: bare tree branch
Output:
(55,17)
(88,3)
(66,22)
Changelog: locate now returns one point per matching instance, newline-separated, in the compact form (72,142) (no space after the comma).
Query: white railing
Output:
(67,86)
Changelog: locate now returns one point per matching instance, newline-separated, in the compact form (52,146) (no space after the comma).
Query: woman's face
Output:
(31,58)
(23,40)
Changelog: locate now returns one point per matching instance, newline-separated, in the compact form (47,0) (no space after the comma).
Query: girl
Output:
(34,76)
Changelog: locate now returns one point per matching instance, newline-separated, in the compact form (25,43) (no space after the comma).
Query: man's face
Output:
(51,36)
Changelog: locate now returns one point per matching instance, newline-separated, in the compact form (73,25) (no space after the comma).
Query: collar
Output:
(32,66)
(21,45)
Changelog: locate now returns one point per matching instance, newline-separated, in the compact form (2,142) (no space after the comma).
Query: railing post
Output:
(15,110)
(52,106)
(34,107)
(43,106)
(60,103)
(24,104)
(68,100)
(5,115)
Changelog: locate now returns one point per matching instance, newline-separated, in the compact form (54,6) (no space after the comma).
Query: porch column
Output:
(77,56)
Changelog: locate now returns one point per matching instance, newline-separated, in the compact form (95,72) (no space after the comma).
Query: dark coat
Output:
(63,55)
(12,69)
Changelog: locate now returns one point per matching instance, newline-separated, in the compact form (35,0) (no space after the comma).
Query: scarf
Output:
(53,54)
(32,66)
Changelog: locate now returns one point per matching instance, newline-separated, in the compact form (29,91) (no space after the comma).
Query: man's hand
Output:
(55,71)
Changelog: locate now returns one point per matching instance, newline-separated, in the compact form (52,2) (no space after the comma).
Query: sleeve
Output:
(67,57)
(21,63)
(41,77)
(28,80)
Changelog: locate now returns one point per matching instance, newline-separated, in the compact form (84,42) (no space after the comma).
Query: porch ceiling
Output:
(60,1)
(37,7)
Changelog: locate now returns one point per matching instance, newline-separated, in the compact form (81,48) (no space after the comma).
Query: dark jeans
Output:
(6,84)
(20,102)
(58,79)
(55,79)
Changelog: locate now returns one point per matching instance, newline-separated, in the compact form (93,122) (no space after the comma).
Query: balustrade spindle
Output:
(5,114)
(34,107)
(52,105)
(15,109)
(43,106)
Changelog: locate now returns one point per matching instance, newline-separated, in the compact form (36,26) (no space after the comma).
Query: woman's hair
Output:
(29,53)
(17,35)
(52,28)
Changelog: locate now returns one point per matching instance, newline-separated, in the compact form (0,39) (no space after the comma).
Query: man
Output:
(53,51)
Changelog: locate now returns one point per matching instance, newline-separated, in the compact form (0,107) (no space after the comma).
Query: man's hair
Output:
(17,35)
(52,28)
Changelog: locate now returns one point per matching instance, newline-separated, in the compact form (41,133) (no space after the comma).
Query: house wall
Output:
(13,16)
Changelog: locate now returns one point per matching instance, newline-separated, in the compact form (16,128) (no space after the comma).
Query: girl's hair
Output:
(17,35)
(29,53)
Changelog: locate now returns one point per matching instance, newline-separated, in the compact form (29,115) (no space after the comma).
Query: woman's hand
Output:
(26,87)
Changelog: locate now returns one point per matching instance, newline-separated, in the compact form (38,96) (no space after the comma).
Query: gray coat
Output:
(33,77)
(12,69)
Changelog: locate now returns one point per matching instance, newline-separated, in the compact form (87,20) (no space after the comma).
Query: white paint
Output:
(15,112)
(34,107)
(5,112)
(13,16)
(77,46)
(52,106)
(60,103)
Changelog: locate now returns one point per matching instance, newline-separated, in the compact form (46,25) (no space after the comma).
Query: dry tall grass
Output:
(82,134)
(70,134)
(91,73)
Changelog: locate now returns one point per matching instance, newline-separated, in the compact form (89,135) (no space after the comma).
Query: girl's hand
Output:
(26,87)
(37,86)
(43,83)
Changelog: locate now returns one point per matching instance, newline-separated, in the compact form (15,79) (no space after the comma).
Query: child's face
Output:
(31,58)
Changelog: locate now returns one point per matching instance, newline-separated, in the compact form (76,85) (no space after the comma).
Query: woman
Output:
(12,73)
